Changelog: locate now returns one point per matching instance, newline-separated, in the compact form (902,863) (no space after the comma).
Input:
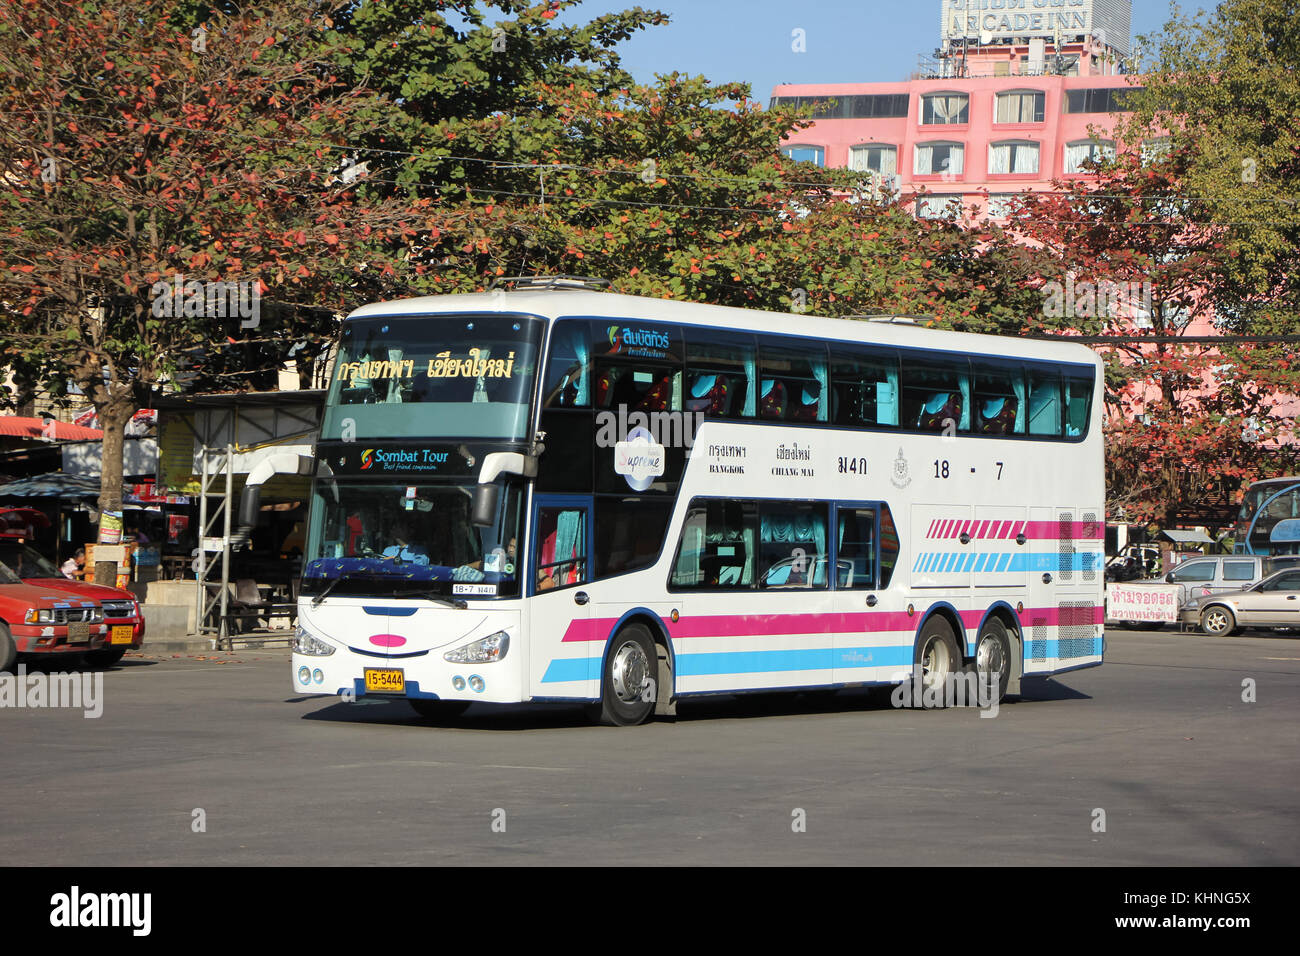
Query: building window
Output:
(999,206)
(806,154)
(944,109)
(1020,107)
(1154,150)
(877,159)
(1016,159)
(1088,151)
(936,159)
(877,106)
(938,207)
(1106,100)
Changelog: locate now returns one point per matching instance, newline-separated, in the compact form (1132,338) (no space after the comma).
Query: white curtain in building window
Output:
(1019,158)
(934,159)
(944,108)
(1025,158)
(1020,108)
(1076,154)
(877,159)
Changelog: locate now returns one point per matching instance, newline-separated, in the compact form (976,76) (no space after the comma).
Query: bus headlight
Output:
(486,650)
(304,643)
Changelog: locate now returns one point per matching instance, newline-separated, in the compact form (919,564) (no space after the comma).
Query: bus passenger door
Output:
(564,651)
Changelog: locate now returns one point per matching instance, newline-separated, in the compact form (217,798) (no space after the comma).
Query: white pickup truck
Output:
(1195,577)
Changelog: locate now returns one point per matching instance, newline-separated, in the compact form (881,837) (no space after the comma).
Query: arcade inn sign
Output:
(1025,18)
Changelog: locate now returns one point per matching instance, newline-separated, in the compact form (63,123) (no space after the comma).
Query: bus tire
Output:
(628,666)
(105,657)
(8,650)
(938,658)
(993,657)
(1217,620)
(437,709)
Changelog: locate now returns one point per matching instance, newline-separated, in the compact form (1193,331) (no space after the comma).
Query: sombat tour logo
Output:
(646,342)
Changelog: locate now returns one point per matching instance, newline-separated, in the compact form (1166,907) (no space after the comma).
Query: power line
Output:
(695,177)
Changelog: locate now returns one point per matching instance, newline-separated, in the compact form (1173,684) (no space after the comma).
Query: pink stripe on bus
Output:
(1051,530)
(777,625)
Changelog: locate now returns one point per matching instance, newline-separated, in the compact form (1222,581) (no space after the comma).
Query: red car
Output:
(42,612)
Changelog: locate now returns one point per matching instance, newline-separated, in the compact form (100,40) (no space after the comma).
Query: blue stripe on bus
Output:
(945,562)
(755,662)
(568,669)
(723,663)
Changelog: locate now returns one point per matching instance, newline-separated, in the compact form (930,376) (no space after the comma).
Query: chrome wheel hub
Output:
(629,670)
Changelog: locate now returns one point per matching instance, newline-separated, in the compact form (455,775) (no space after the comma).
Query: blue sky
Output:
(749,40)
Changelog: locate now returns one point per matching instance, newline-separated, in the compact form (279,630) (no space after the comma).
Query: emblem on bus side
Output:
(900,478)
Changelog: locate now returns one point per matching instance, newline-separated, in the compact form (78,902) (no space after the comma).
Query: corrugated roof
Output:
(1189,537)
(17,426)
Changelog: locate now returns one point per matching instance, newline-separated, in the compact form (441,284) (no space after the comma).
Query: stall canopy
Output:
(1188,537)
(54,485)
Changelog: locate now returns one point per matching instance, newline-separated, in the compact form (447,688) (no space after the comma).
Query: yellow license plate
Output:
(120,634)
(385,681)
(78,632)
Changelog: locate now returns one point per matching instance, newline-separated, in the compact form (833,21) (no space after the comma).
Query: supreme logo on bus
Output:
(640,459)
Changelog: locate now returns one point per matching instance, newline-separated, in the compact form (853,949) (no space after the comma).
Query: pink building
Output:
(992,114)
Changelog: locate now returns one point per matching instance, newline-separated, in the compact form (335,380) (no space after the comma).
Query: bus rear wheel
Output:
(993,658)
(938,659)
(627,693)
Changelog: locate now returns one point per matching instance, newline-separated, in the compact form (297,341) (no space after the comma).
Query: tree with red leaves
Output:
(170,197)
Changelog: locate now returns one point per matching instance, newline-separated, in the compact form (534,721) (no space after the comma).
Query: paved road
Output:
(1159,738)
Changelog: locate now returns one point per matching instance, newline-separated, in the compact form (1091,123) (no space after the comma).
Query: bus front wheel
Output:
(627,682)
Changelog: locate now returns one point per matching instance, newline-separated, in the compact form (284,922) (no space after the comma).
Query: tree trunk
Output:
(113,416)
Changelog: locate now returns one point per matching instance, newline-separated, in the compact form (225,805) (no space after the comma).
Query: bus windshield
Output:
(433,376)
(395,538)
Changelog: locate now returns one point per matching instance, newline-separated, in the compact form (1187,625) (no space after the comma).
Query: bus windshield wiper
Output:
(315,602)
(458,603)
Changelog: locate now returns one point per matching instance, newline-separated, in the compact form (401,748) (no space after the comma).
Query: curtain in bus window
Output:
(394,391)
(932,396)
(568,531)
(1078,392)
(889,545)
(568,374)
(793,543)
(720,374)
(1044,403)
(964,382)
(1018,383)
(887,399)
(823,388)
(751,387)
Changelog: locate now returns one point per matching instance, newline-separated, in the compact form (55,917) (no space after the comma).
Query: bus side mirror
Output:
(483,509)
(1169,578)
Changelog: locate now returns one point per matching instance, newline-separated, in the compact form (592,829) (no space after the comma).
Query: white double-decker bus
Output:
(563,494)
